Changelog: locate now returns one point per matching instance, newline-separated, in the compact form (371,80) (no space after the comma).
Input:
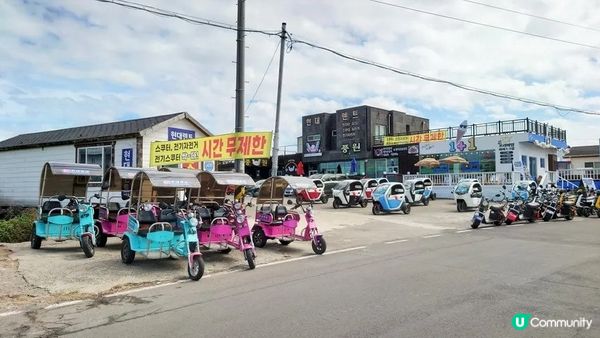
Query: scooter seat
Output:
(495,208)
(534,204)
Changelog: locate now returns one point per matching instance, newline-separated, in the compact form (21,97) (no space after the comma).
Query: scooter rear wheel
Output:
(407,209)
(259,238)
(36,241)
(127,255)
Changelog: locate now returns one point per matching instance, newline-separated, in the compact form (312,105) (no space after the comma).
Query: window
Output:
(408,128)
(591,165)
(380,130)
(542,163)
(101,155)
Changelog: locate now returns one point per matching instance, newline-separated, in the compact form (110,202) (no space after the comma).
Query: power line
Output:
(484,24)
(532,15)
(451,83)
(263,78)
(187,18)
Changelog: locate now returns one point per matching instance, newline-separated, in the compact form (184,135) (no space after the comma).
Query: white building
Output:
(583,157)
(124,143)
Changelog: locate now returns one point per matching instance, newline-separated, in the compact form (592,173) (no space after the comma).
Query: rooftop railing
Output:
(493,128)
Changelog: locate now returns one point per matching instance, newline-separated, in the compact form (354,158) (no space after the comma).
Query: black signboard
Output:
(506,152)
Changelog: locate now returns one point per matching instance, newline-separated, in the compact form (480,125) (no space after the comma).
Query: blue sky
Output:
(69,63)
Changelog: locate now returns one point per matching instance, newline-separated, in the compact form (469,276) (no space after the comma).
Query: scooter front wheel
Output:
(319,245)
(87,246)
(475,224)
(364,203)
(249,258)
(197,269)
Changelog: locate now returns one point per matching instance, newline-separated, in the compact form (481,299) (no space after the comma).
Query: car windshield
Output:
(462,188)
(341,185)
(381,188)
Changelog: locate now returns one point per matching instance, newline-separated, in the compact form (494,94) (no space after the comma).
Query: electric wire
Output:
(484,24)
(447,82)
(292,41)
(532,15)
(263,78)
(187,18)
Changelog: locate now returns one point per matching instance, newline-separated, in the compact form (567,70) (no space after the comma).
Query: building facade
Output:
(583,157)
(123,143)
(330,141)
(524,145)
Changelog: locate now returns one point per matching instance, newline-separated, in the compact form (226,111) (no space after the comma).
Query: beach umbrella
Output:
(428,162)
(454,159)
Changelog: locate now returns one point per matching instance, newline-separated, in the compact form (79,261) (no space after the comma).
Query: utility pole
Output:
(239,77)
(275,159)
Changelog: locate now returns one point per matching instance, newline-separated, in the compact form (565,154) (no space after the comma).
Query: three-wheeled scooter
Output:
(275,221)
(468,193)
(223,222)
(159,228)
(369,184)
(113,215)
(415,190)
(428,193)
(63,213)
(349,193)
(389,197)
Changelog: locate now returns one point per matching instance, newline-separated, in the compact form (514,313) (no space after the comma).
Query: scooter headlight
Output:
(193,221)
(147,207)
(237,206)
(240,218)
(309,210)
(82,208)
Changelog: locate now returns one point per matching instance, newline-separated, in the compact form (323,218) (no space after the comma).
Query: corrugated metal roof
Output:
(82,134)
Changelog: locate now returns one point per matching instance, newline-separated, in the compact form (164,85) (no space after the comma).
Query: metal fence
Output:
(493,128)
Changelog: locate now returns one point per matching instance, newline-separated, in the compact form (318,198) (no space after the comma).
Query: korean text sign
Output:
(416,138)
(221,147)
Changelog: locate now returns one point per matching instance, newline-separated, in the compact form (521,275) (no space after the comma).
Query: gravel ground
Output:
(60,272)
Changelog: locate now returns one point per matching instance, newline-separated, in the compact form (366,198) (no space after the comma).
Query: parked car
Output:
(330,181)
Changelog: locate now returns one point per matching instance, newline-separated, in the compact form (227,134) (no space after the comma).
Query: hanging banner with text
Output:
(221,147)
(416,138)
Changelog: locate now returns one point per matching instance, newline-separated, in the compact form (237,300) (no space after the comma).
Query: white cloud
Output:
(100,62)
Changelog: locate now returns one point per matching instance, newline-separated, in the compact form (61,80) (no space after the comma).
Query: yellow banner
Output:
(416,138)
(221,147)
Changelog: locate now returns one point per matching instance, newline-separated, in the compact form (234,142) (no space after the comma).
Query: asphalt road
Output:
(452,284)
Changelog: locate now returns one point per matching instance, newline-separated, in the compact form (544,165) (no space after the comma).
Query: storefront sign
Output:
(222,147)
(313,146)
(390,151)
(416,138)
(180,134)
(127,157)
(506,152)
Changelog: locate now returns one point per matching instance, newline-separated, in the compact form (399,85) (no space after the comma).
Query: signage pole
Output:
(275,157)
(239,78)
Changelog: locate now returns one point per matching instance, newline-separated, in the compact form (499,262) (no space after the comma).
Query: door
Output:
(396,196)
(533,167)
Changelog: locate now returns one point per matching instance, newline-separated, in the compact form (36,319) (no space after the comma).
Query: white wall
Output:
(579,162)
(123,144)
(531,150)
(20,172)
(159,133)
